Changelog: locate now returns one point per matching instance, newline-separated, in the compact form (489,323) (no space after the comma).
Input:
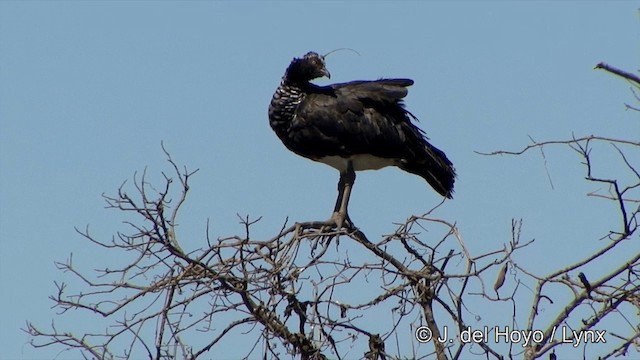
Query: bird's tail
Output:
(435,168)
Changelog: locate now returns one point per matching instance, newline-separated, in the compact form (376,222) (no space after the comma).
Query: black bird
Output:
(359,125)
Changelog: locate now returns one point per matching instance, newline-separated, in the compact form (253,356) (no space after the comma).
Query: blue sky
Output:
(88,90)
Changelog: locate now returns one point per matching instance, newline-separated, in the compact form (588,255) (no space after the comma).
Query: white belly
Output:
(360,162)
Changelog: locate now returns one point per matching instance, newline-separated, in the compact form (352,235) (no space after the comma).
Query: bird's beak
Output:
(326,73)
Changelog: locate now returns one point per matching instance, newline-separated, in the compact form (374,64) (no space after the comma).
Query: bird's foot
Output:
(330,226)
(337,223)
(340,220)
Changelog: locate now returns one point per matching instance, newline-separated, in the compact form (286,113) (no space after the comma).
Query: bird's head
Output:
(304,69)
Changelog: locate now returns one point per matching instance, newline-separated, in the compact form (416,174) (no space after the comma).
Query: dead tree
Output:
(300,293)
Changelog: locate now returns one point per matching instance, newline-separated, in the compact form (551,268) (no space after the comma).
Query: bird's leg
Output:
(345,184)
(336,208)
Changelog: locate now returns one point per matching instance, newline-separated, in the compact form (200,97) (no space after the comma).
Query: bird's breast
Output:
(359,162)
(283,106)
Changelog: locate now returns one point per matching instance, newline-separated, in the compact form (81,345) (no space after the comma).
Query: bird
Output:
(354,126)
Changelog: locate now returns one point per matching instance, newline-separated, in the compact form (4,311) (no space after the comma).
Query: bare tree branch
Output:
(292,295)
(623,74)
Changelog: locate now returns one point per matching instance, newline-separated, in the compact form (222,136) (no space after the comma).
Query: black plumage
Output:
(359,125)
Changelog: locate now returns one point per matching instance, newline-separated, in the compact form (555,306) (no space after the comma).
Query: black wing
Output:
(363,117)
(368,117)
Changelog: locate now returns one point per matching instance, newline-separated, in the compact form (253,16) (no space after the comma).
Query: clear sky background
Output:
(88,90)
